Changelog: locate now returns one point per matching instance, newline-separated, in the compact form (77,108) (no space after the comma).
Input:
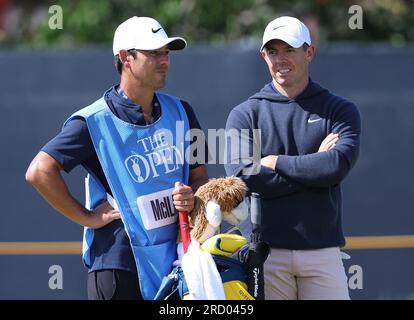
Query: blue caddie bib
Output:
(141,165)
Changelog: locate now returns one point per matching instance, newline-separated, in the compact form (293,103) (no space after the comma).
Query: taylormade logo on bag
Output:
(256,272)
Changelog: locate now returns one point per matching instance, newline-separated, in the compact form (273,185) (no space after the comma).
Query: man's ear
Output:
(123,57)
(310,53)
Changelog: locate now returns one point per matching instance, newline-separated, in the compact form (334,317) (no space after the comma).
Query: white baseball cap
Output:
(145,34)
(288,29)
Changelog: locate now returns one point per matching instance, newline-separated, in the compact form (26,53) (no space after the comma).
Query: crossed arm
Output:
(267,181)
(279,175)
(327,144)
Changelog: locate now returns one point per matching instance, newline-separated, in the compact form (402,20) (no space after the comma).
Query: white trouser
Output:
(305,275)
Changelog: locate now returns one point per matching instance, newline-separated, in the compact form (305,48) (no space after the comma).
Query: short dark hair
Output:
(118,62)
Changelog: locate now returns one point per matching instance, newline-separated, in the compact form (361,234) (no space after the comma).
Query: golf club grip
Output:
(184,229)
(255,210)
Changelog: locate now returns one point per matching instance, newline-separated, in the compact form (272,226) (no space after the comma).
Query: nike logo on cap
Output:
(278,27)
(155,31)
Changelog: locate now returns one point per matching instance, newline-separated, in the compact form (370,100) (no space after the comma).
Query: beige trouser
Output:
(305,275)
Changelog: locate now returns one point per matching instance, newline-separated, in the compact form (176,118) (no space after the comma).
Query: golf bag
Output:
(239,263)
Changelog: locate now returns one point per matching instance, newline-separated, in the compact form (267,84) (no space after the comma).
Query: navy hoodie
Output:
(301,198)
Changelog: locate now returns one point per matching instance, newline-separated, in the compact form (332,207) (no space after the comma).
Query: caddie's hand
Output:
(102,215)
(329,142)
(183,197)
(269,162)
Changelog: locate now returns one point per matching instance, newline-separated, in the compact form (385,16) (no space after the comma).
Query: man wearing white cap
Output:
(309,143)
(133,144)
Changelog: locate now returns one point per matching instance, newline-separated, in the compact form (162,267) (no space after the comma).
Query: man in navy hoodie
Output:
(131,142)
(309,141)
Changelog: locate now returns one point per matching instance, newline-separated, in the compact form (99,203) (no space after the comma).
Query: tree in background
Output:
(89,22)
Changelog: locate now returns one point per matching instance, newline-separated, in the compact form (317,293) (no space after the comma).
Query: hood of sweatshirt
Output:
(269,92)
